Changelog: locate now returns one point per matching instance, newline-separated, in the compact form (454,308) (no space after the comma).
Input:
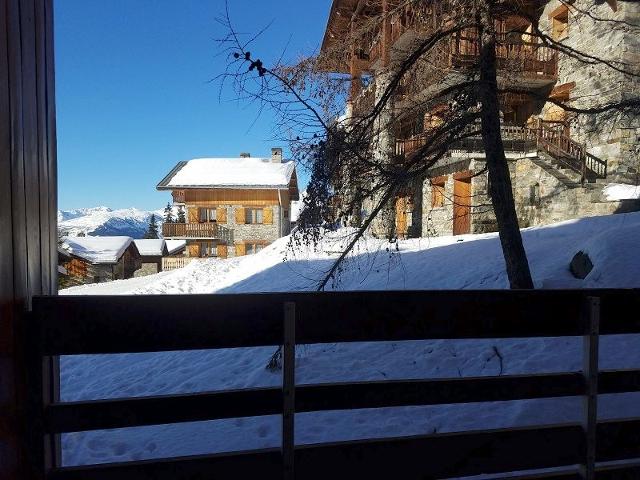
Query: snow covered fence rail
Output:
(92,325)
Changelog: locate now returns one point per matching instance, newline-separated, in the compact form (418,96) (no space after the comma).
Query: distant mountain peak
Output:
(105,221)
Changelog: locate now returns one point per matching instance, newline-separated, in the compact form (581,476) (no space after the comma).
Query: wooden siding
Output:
(28,192)
(193,250)
(249,197)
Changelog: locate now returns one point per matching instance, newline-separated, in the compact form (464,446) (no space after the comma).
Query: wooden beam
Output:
(162,409)
(117,324)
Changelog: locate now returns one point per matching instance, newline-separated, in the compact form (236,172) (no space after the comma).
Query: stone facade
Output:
(265,233)
(543,194)
(614,138)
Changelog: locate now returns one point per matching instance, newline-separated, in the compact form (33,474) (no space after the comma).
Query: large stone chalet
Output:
(234,206)
(559,164)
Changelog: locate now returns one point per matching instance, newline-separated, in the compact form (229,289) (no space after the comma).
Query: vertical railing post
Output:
(590,372)
(288,390)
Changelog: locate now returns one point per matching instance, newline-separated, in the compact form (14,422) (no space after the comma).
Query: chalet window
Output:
(251,248)
(437,194)
(207,249)
(254,215)
(559,19)
(206,215)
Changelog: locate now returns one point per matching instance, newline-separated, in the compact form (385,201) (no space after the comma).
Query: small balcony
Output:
(515,139)
(197,230)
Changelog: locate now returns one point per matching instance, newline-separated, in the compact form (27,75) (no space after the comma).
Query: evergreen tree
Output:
(152,231)
(181,217)
(168,214)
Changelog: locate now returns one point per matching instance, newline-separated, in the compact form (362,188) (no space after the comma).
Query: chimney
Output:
(276,155)
(245,155)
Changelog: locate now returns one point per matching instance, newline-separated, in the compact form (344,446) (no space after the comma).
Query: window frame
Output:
(208,217)
(254,216)
(438,193)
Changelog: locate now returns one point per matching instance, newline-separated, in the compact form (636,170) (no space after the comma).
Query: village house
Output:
(151,250)
(99,259)
(234,206)
(559,165)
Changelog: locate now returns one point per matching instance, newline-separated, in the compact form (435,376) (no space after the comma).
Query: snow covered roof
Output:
(153,247)
(174,246)
(97,249)
(244,172)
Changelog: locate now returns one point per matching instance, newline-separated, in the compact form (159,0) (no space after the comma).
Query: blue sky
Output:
(134,94)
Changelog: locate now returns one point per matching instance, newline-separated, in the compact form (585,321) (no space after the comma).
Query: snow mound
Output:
(621,191)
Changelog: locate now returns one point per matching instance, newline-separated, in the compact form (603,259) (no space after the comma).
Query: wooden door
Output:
(461,206)
(401,217)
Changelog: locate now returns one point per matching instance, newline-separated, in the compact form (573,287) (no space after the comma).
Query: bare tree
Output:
(456,60)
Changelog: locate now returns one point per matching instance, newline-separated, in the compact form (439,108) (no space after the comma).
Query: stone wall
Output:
(146,269)
(257,232)
(611,137)
(543,194)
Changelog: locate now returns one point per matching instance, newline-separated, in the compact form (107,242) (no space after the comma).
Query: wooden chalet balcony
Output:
(519,57)
(564,150)
(410,23)
(196,230)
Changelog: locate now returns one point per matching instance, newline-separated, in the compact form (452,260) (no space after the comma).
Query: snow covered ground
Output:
(612,242)
(622,191)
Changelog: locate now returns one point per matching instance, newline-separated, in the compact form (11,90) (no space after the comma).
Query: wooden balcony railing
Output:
(171,263)
(197,230)
(82,325)
(553,141)
(516,55)
(521,57)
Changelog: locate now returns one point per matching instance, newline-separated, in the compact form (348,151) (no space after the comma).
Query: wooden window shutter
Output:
(267,218)
(240,249)
(221,215)
(193,250)
(192,215)
(222,251)
(240,219)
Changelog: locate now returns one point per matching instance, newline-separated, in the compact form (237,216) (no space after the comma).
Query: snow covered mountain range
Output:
(104,221)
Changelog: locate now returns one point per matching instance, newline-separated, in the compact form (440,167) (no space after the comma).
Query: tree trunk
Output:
(500,185)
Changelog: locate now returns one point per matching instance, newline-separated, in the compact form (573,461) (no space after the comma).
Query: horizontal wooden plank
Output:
(618,440)
(120,324)
(116,324)
(129,412)
(451,454)
(619,311)
(161,409)
(622,471)
(396,393)
(462,453)
(263,464)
